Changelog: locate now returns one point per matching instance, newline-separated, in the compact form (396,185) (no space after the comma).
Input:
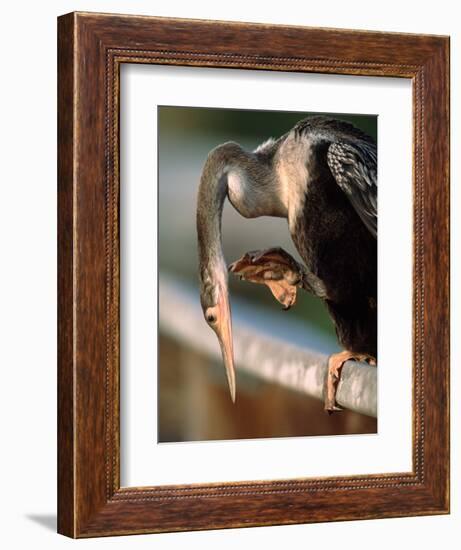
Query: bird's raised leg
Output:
(279,271)
(335,365)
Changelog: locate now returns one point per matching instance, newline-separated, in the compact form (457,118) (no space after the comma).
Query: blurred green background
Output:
(193,399)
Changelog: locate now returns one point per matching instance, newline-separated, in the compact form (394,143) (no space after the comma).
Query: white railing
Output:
(273,348)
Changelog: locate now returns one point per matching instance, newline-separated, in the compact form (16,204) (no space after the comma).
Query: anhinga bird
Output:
(322,177)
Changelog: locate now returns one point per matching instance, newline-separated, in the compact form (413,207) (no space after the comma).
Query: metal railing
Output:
(293,357)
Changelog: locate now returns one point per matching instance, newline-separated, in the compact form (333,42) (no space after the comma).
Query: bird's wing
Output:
(353,166)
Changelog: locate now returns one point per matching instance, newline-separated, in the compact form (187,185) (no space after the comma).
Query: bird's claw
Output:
(274,268)
(333,408)
(335,365)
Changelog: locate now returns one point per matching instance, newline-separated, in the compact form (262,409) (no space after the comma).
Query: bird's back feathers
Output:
(352,159)
(353,166)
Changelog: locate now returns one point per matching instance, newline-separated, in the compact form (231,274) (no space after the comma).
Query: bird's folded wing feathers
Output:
(354,167)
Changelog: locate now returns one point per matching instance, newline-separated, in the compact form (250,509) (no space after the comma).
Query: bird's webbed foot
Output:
(335,365)
(274,268)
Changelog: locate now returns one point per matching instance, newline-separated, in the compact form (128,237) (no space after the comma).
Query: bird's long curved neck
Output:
(250,185)
(221,163)
(211,196)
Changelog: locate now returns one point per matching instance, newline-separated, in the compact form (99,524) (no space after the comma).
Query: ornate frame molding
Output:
(91,49)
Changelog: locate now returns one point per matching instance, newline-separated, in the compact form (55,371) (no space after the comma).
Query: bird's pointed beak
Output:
(223,329)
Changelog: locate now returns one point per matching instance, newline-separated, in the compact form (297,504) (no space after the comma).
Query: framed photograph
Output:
(240,342)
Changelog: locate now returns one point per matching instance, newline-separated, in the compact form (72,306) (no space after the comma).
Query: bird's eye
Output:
(210,316)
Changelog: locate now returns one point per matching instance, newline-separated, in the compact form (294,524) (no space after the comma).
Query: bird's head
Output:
(214,298)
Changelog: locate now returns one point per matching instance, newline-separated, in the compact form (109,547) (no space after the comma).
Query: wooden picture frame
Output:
(91,48)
